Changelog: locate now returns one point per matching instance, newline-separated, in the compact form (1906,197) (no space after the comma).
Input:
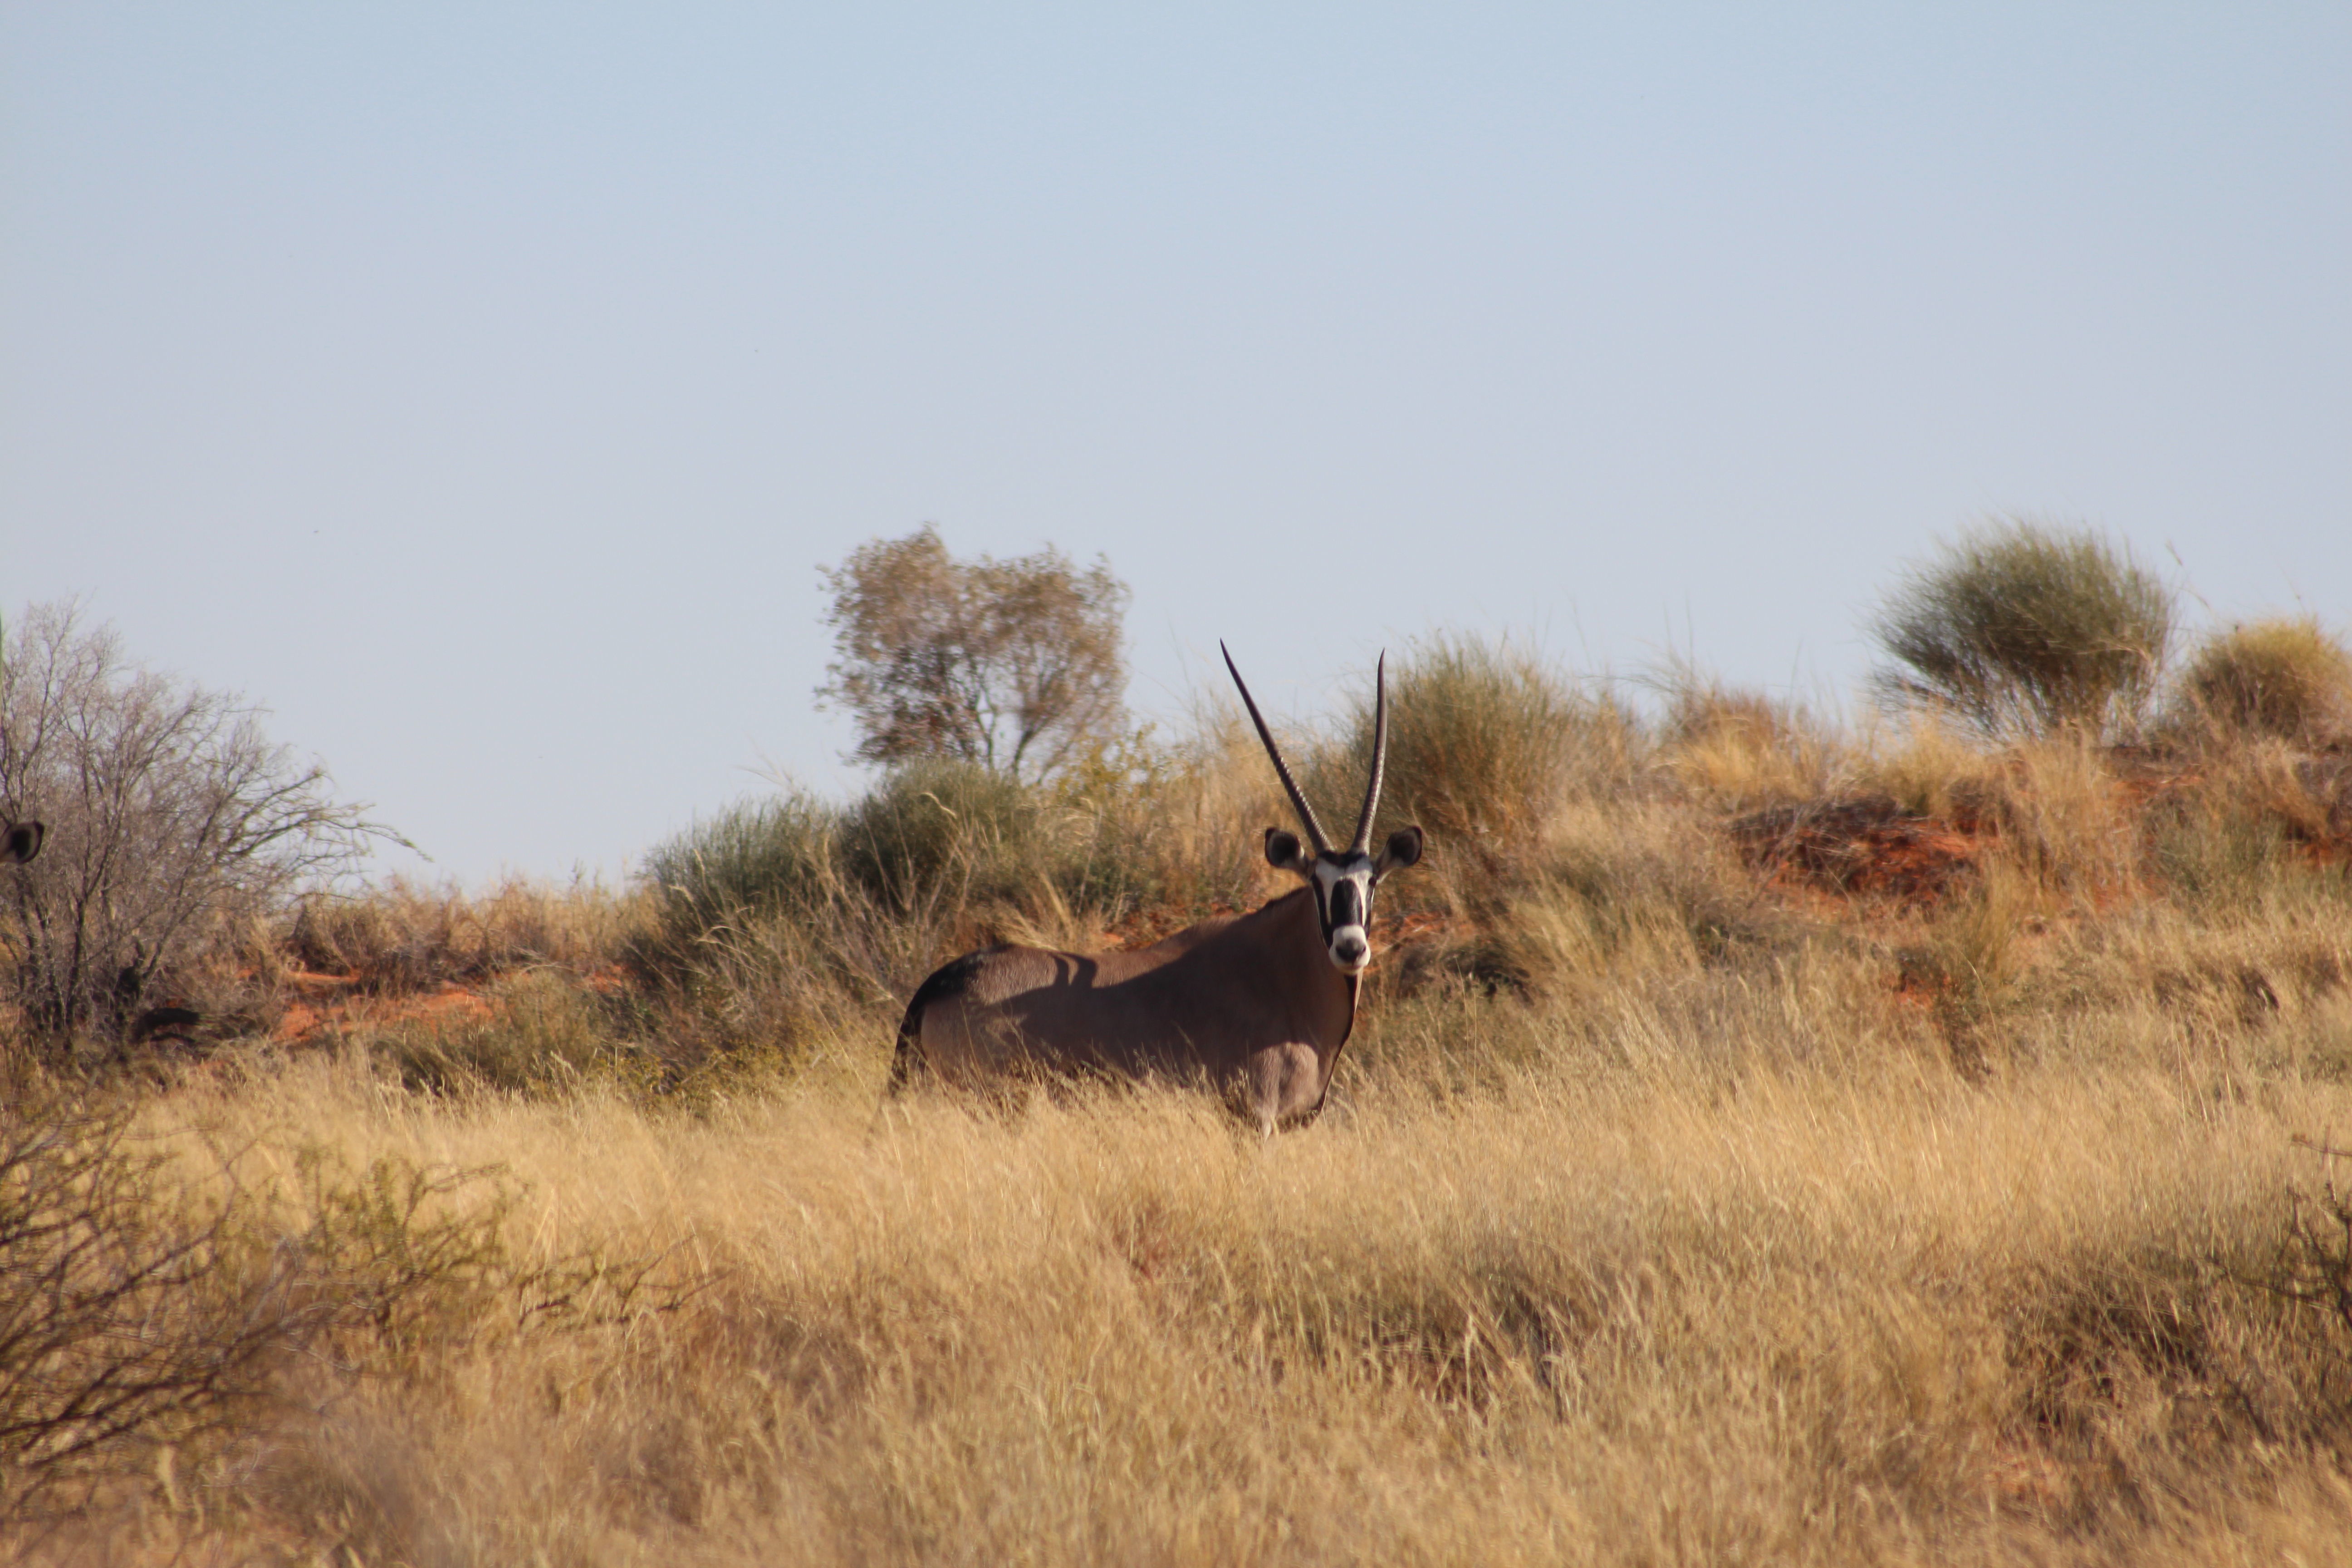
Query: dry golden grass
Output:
(407,935)
(2281,676)
(1762,1296)
(1736,751)
(1926,766)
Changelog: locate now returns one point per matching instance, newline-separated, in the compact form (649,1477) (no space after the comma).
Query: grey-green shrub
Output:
(2022,628)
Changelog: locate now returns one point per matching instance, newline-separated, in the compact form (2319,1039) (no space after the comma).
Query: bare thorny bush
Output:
(132,1315)
(172,817)
(2314,1263)
(148,1303)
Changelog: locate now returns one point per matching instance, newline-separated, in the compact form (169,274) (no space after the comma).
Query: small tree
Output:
(1014,664)
(2022,628)
(168,810)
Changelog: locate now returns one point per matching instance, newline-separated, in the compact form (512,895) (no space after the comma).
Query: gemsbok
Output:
(1256,1005)
(19,841)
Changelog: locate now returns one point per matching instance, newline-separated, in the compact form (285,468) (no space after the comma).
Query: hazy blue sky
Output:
(480,386)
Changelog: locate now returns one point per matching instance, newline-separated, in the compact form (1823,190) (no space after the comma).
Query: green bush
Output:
(756,857)
(2282,676)
(2023,629)
(786,921)
(935,830)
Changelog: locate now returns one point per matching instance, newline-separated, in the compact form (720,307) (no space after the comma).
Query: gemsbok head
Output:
(1257,1005)
(19,841)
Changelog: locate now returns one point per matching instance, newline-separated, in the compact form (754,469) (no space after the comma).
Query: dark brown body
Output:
(1251,1003)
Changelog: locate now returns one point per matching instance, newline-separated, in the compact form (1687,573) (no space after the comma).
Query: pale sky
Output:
(480,386)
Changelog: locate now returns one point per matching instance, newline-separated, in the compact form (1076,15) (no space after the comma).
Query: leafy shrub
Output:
(2282,676)
(756,857)
(754,925)
(2024,629)
(1011,665)
(785,921)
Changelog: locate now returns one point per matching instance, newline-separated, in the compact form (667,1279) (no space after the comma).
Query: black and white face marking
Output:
(1343,881)
(1343,897)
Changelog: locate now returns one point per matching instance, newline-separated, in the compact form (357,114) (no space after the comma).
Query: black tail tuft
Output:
(902,1063)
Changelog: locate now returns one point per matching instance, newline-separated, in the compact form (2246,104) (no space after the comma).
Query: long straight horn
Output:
(1379,756)
(1306,812)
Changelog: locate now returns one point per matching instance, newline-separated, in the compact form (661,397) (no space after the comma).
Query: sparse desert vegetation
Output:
(1767,1137)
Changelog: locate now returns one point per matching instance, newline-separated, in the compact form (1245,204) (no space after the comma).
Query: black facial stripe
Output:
(1347,905)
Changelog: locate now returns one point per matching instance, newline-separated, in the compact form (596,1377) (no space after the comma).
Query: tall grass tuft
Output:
(2023,629)
(1487,740)
(765,938)
(2282,676)
(755,857)
(2252,822)
(1738,750)
(946,829)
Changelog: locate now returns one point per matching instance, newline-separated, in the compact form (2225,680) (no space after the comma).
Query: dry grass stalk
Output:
(1670,1300)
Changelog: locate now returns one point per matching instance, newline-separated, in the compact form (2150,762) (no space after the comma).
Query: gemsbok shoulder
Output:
(19,841)
(1256,1005)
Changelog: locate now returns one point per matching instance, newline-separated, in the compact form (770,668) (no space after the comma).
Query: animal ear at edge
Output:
(1402,849)
(22,842)
(1284,852)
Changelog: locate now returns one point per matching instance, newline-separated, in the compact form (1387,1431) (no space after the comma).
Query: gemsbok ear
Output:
(1402,849)
(1284,852)
(22,842)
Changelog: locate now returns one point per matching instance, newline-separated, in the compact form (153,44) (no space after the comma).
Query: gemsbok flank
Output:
(1256,1005)
(19,841)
